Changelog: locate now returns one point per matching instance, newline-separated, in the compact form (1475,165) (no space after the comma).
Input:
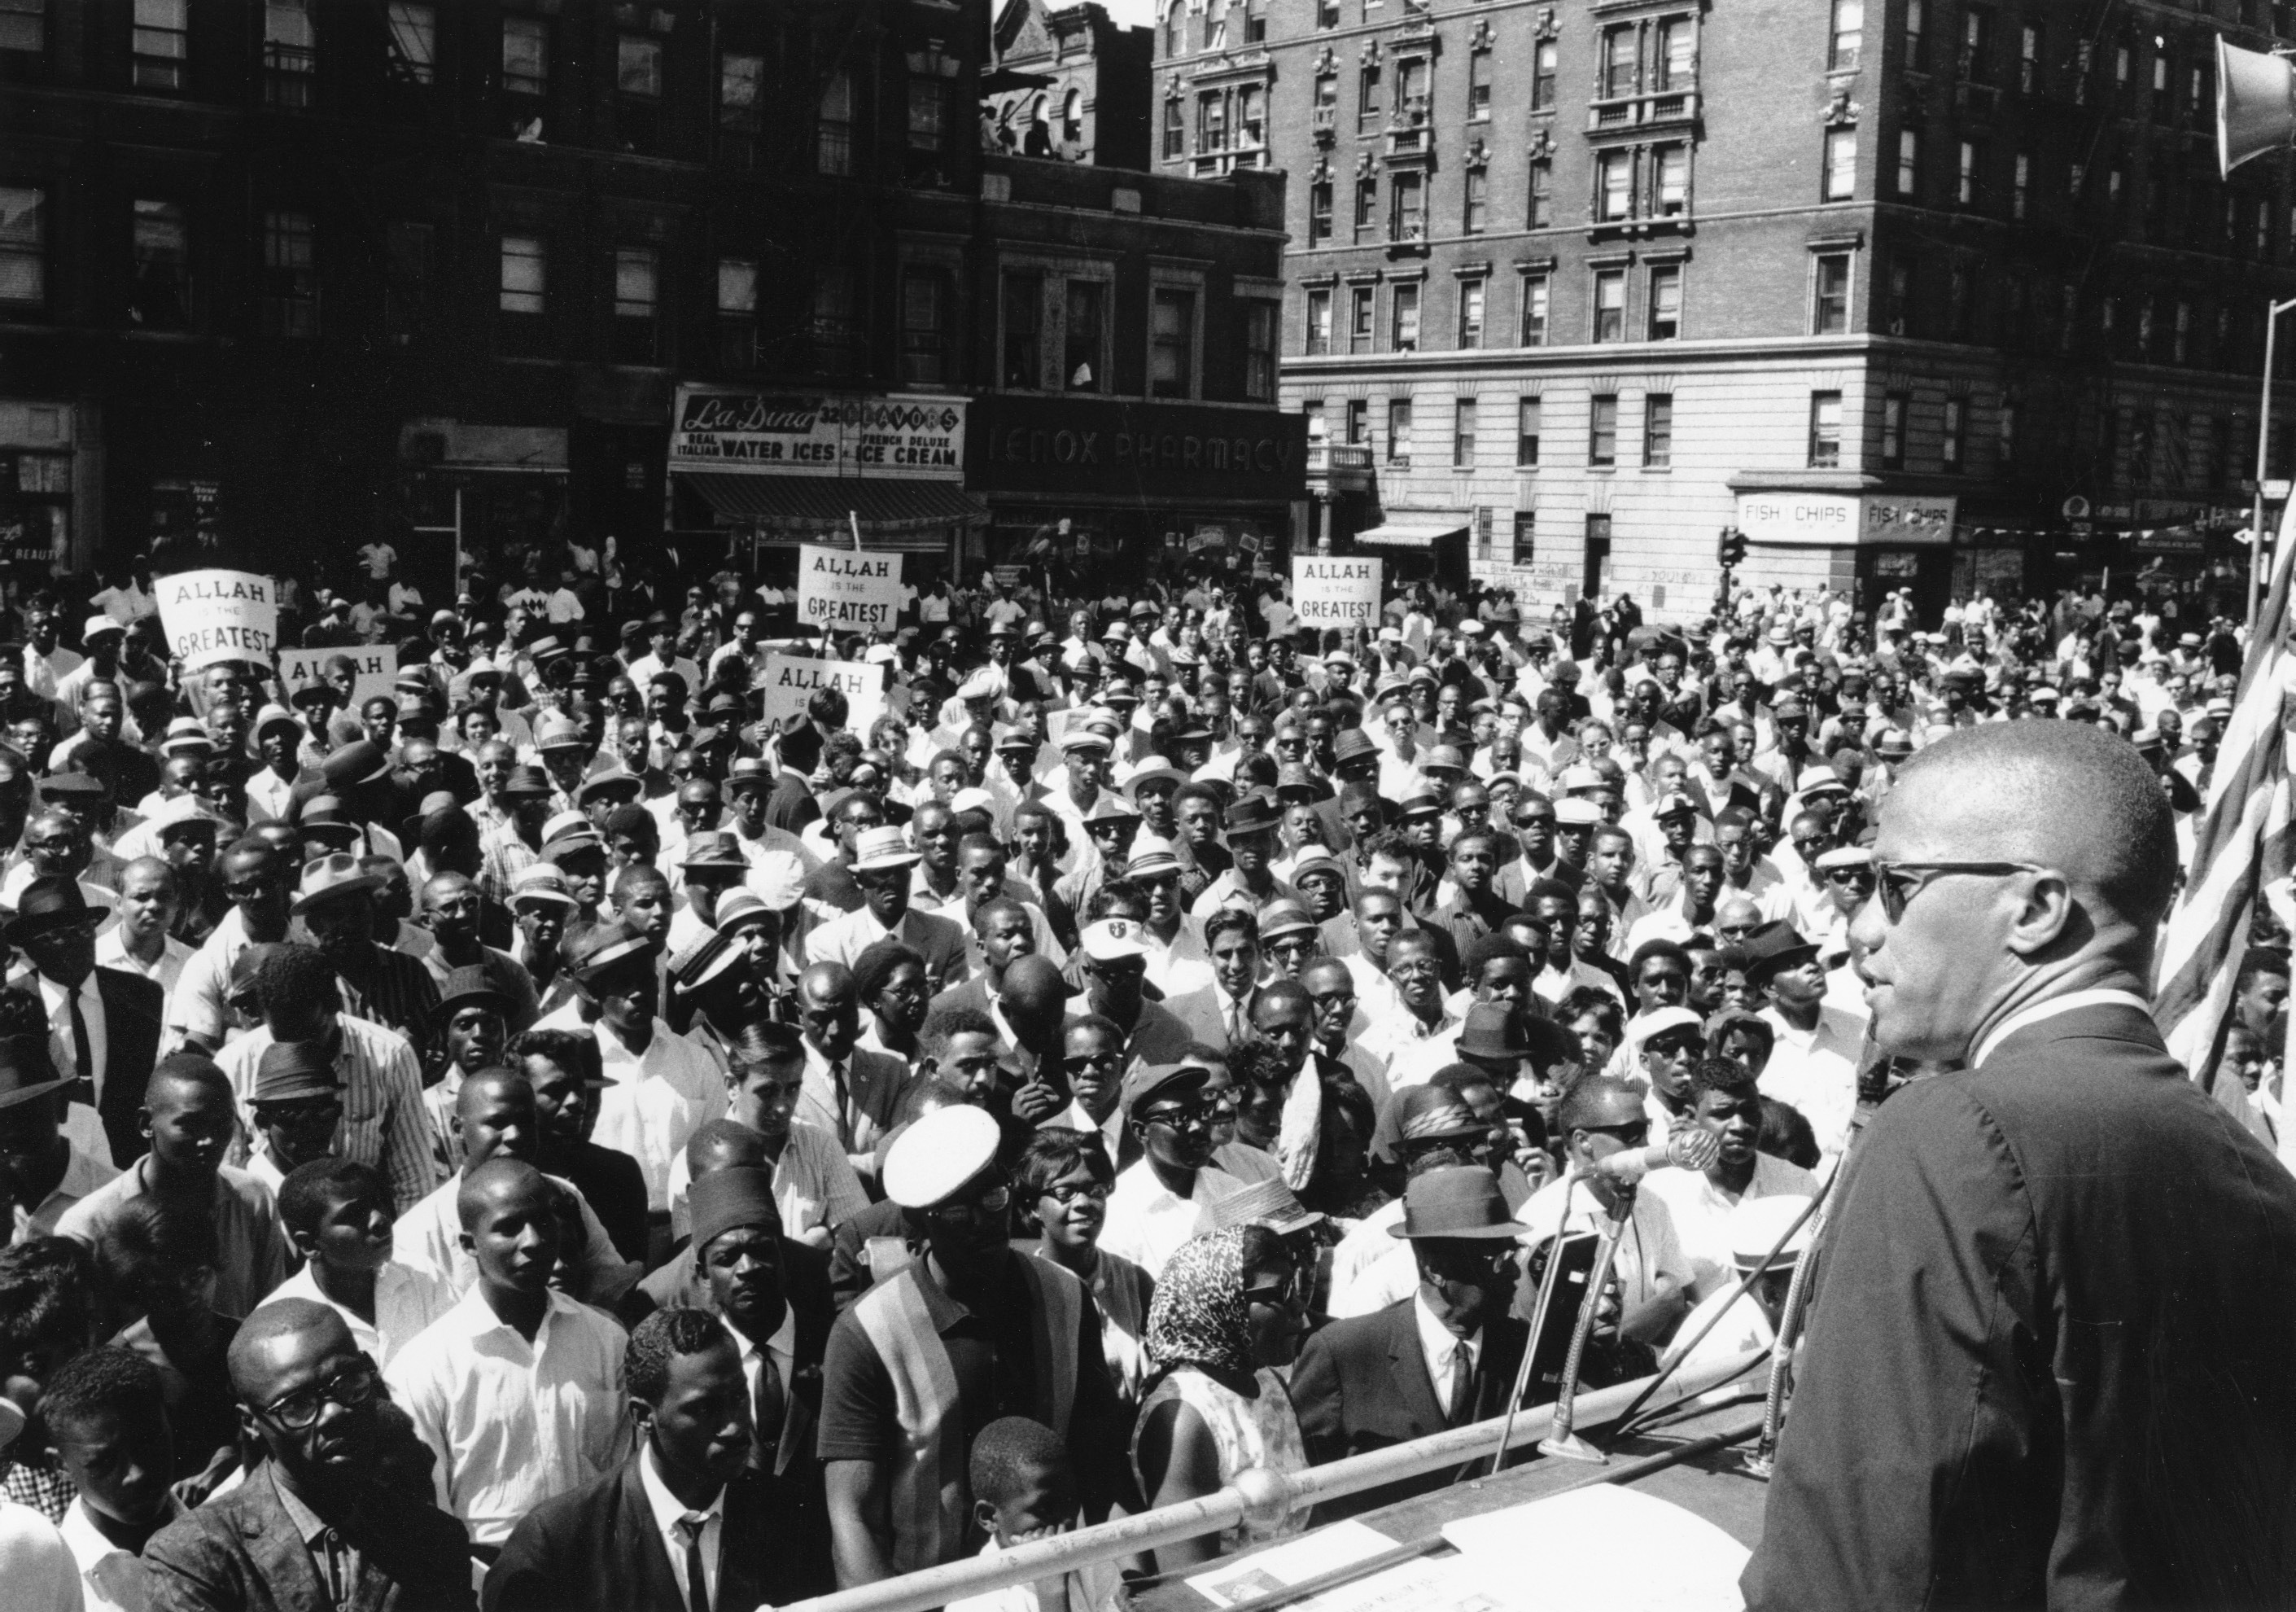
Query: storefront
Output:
(1104,492)
(39,459)
(772,470)
(478,494)
(1865,544)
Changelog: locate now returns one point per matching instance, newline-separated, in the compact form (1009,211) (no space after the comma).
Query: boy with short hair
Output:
(338,1215)
(107,1418)
(1024,1489)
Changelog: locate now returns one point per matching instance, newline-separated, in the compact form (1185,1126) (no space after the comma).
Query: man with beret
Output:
(972,1331)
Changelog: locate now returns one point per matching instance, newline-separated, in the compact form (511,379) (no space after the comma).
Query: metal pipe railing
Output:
(1259,1494)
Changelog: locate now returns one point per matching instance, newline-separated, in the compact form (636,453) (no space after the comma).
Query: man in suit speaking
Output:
(2049,1361)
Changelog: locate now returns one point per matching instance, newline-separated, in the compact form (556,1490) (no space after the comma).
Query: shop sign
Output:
(841,590)
(2172,539)
(910,437)
(1168,451)
(375,670)
(218,615)
(788,681)
(1841,520)
(1327,592)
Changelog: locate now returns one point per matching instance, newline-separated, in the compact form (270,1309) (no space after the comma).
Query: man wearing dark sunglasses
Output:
(2051,1352)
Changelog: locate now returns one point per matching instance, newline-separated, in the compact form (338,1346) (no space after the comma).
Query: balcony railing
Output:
(1339,455)
(1642,112)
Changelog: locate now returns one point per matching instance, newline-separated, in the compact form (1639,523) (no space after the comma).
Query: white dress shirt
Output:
(110,1579)
(112,953)
(1817,1071)
(2039,1012)
(513,1423)
(1702,1213)
(815,1187)
(657,1100)
(668,1513)
(1147,1222)
(1447,1355)
(429,1236)
(1650,1262)
(406,1301)
(60,1028)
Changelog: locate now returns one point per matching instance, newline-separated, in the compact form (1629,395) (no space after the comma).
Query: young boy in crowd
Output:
(337,1213)
(107,1418)
(1024,1489)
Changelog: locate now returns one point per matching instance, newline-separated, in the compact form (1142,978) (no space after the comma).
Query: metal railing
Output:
(1261,1494)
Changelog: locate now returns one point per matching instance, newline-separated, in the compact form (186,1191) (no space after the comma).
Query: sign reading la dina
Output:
(913,437)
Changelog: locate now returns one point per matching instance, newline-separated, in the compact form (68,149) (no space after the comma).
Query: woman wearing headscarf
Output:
(1228,1316)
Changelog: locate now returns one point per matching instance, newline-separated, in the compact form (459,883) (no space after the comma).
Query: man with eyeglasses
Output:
(1165,1198)
(1112,958)
(970,1331)
(315,1514)
(2055,1254)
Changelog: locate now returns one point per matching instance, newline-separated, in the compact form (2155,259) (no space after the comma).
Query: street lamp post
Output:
(2263,444)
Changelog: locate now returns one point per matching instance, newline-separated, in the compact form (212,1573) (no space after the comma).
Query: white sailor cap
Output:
(938,1154)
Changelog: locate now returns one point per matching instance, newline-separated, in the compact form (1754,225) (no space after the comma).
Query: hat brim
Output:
(17,929)
(31,1094)
(365,884)
(495,999)
(558,898)
(1510,1230)
(886,864)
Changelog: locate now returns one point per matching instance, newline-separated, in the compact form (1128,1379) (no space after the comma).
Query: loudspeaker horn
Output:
(2256,105)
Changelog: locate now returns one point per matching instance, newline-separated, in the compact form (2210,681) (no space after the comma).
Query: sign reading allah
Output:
(847,590)
(218,615)
(789,682)
(1327,592)
(913,437)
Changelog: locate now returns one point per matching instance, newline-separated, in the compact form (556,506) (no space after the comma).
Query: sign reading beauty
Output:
(375,671)
(218,615)
(789,680)
(1327,592)
(842,590)
(912,437)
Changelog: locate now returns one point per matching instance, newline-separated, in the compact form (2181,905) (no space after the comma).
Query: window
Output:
(1534,310)
(1676,67)
(23,244)
(1176,128)
(1542,194)
(524,276)
(1603,430)
(1526,433)
(1211,122)
(2021,186)
(161,297)
(1849,33)
(1960,302)
(1176,29)
(1909,161)
(24,25)
(1614,184)
(1259,351)
(1367,99)
(162,43)
(1957,422)
(1479,85)
(737,312)
(925,302)
(833,138)
(1665,303)
(1621,54)
(1893,430)
(1359,319)
(1319,324)
(1474,209)
(1085,338)
(2006,435)
(413,42)
(526,56)
(1411,89)
(637,87)
(1366,207)
(1610,305)
(637,294)
(1483,522)
(1172,335)
(2180,342)
(741,107)
(1407,207)
(1216,25)
(1327,100)
(290,276)
(1543,63)
(1830,306)
(1841,164)
(410,275)
(1358,420)
(1965,189)
(1670,172)
(2029,58)
(1977,44)
(836,320)
(1658,431)
(290,62)
(1470,313)
(1463,433)
(1403,327)
(1319,431)
(1526,531)
(1824,429)
(1024,319)
(1319,212)
(1913,20)
(1398,431)
(928,114)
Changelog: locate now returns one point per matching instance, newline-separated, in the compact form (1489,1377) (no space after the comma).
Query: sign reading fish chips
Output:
(1327,592)
(218,615)
(842,590)
(789,680)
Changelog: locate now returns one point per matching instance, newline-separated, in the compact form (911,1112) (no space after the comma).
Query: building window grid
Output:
(833,124)
(1171,343)
(1546,58)
(1473,212)
(161,296)
(1541,212)
(1399,433)
(1824,429)
(524,286)
(1526,533)
(1610,305)
(413,43)
(525,57)
(1083,338)
(1848,35)
(1176,128)
(1407,206)
(1841,181)
(737,312)
(2021,186)
(637,304)
(1360,318)
(1259,351)
(1658,431)
(1366,219)
(926,309)
(1319,212)
(1829,296)
(1317,342)
(1403,318)
(1479,85)
(1909,161)
(1952,443)
(1893,430)
(1023,311)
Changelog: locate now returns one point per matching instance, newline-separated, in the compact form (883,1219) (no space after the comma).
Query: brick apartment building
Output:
(1929,293)
(1067,83)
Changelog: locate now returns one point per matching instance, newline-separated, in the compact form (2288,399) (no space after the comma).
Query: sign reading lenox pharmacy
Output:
(1843,520)
(912,437)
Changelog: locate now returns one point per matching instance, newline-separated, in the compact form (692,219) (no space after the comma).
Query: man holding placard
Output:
(1329,593)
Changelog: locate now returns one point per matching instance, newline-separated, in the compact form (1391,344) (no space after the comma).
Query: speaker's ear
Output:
(2256,105)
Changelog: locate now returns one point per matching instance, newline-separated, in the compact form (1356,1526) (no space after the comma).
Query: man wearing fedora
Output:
(1443,1358)
(43,1171)
(335,903)
(882,865)
(515,842)
(1249,881)
(103,1024)
(778,861)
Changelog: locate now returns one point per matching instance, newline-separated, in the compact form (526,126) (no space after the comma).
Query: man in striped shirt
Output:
(509,846)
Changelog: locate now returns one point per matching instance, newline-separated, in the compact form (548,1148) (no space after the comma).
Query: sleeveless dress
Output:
(1262,1432)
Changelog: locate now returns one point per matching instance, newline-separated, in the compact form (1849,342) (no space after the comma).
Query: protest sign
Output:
(788,680)
(1327,592)
(846,590)
(377,669)
(218,615)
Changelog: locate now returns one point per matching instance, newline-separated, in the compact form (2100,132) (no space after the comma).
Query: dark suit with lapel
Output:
(1362,1385)
(241,1552)
(133,1008)
(596,1550)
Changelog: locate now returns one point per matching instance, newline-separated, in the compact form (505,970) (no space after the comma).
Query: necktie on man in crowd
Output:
(2241,842)
(697,1580)
(83,1086)
(1462,1409)
(771,1405)
(847,1120)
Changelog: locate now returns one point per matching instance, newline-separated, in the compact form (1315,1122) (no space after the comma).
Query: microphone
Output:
(1687,1149)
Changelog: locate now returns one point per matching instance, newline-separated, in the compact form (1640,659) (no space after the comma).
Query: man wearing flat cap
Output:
(2047,1364)
(972,1331)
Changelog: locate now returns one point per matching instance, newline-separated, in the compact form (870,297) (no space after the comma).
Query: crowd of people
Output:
(544,1136)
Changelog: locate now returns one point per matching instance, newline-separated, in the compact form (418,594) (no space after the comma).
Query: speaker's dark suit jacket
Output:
(1362,1385)
(133,1010)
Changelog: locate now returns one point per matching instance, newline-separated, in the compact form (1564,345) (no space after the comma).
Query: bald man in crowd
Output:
(2049,1359)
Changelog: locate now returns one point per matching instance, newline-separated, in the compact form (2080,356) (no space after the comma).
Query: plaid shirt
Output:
(504,855)
(45,1489)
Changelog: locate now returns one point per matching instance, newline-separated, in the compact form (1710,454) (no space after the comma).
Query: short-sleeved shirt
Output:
(253,1248)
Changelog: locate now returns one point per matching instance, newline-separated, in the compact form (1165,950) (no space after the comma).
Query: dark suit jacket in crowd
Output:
(615,1188)
(1362,1385)
(240,1552)
(133,1008)
(2048,1360)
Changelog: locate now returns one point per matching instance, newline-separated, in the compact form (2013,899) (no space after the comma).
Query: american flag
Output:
(2242,841)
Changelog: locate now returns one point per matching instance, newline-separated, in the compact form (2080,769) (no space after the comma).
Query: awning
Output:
(794,508)
(1397,534)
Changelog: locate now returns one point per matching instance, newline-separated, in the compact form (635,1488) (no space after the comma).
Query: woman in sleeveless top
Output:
(1228,1313)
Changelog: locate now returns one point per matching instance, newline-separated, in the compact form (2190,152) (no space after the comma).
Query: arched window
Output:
(1176,29)
(1072,116)
(1216,25)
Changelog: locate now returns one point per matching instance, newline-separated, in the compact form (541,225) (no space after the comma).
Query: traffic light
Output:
(1730,548)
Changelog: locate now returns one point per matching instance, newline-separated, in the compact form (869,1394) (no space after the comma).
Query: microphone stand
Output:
(1560,1440)
(1547,1282)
